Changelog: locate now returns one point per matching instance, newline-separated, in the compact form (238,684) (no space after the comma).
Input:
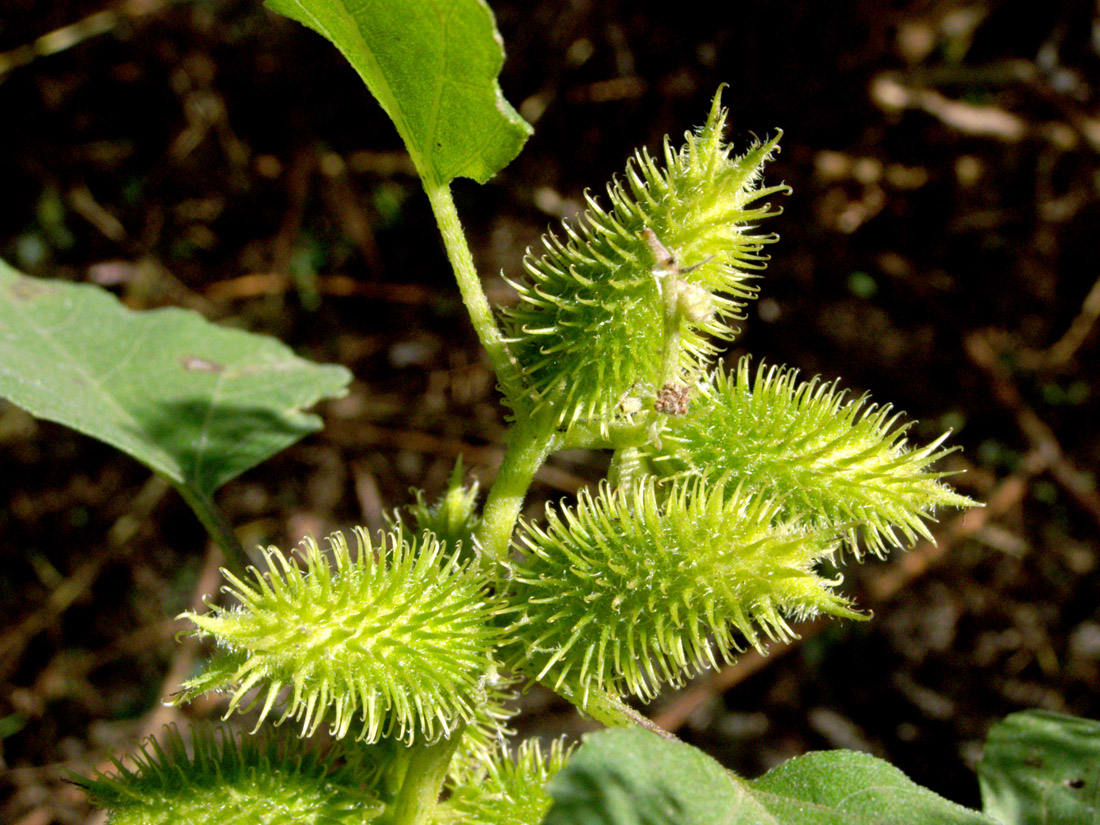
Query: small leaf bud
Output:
(694,302)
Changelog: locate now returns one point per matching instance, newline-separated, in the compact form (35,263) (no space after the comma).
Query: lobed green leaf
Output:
(197,403)
(851,788)
(629,776)
(634,777)
(433,66)
(1041,767)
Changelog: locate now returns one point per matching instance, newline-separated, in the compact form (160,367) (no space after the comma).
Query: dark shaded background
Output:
(938,251)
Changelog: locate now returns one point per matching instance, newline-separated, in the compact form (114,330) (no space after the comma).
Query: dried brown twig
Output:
(119,543)
(73,34)
(1062,350)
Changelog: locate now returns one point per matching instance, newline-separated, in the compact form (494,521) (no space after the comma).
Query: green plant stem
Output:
(531,440)
(216,525)
(418,797)
(473,295)
(529,444)
(626,468)
(673,325)
(610,710)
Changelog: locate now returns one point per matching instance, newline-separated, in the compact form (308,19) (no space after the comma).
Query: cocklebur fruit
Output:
(833,462)
(634,295)
(627,590)
(452,519)
(397,641)
(508,788)
(221,779)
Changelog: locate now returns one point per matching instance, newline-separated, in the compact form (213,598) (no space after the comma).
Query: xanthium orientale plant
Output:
(729,493)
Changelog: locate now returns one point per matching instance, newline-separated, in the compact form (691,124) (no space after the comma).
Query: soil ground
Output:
(938,251)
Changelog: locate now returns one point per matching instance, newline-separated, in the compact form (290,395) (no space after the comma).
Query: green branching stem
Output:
(469,284)
(529,444)
(419,795)
(532,439)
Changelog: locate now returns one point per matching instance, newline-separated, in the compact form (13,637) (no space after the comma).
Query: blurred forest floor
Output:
(939,251)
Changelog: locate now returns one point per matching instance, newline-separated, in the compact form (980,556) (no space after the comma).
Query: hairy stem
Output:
(473,295)
(419,795)
(610,710)
(529,444)
(626,468)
